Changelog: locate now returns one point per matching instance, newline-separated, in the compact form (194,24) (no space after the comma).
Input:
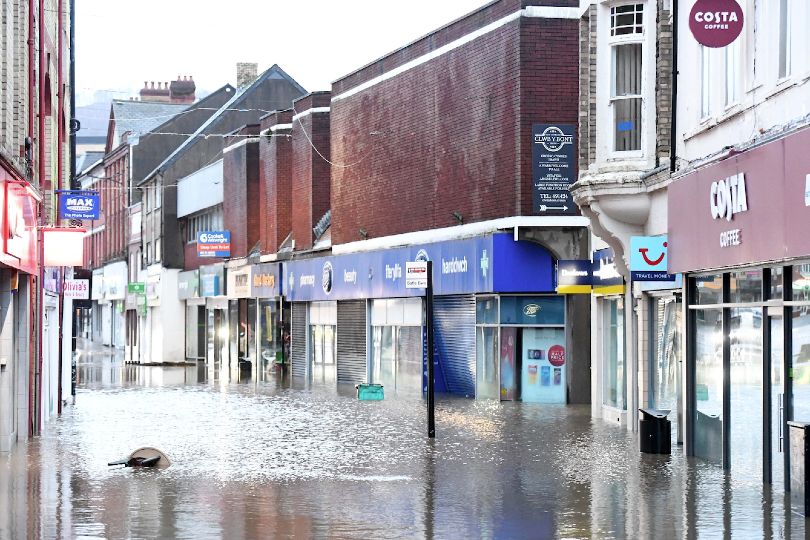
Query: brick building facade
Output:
(421,136)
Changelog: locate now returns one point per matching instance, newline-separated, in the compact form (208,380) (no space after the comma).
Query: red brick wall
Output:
(453,134)
(241,186)
(275,160)
(311,173)
(191,261)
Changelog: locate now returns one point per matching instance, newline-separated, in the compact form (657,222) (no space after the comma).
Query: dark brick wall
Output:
(549,86)
(275,160)
(192,261)
(453,134)
(241,204)
(440,37)
(311,173)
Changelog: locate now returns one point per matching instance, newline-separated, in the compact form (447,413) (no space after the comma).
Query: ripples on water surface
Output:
(257,460)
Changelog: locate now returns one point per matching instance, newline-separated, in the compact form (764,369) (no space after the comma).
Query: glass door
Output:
(777,407)
(746,393)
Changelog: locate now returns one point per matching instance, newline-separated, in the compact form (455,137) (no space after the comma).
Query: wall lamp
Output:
(363,233)
(458,217)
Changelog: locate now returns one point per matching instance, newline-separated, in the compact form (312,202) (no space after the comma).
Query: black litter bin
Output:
(655,432)
(799,444)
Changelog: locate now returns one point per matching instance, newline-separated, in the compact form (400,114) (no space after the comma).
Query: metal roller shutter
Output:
(298,347)
(454,325)
(351,341)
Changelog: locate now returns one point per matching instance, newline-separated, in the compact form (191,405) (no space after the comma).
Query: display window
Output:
(396,340)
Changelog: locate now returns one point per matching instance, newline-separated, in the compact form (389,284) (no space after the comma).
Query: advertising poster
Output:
(508,339)
(543,370)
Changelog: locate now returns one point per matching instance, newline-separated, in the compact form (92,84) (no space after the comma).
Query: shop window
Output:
(487,359)
(486,310)
(533,310)
(665,354)
(627,33)
(745,286)
(709,289)
(613,393)
(323,345)
(801,283)
(396,337)
(776,291)
(269,336)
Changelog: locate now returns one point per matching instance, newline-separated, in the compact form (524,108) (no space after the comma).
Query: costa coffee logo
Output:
(728,197)
(716,23)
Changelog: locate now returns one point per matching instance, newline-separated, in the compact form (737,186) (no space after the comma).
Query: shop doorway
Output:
(217,334)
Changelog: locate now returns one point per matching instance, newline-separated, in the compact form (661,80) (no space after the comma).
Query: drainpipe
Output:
(43,185)
(60,175)
(674,122)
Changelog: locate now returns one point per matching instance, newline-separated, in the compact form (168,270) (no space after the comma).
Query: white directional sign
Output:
(416,276)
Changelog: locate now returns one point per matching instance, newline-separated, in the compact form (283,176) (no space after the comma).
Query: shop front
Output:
(242,321)
(188,291)
(272,321)
(740,239)
(212,289)
(115,286)
(500,329)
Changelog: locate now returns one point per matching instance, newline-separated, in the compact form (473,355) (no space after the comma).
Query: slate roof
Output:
(85,160)
(139,117)
(274,72)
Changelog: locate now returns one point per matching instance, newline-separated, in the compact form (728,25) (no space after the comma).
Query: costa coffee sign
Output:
(716,23)
(750,208)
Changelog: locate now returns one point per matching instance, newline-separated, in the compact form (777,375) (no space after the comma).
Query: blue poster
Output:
(553,168)
(79,205)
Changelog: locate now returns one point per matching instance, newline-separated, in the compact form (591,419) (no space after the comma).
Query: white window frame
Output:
(613,42)
(733,61)
(784,45)
(705,82)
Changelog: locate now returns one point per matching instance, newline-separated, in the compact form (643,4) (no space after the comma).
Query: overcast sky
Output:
(120,44)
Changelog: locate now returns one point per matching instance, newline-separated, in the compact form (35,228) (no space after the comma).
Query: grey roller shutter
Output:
(351,341)
(298,347)
(454,324)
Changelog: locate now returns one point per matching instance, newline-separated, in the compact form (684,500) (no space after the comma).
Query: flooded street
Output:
(263,460)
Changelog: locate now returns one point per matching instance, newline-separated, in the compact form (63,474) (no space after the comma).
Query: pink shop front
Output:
(739,230)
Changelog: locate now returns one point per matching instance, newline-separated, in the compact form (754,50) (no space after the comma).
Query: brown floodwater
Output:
(272,460)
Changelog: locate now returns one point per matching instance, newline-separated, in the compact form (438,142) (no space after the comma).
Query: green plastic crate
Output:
(369,392)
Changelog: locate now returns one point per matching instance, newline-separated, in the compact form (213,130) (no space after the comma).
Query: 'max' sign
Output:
(727,197)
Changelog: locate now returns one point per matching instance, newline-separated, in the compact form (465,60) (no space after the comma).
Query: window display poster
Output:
(543,365)
(508,339)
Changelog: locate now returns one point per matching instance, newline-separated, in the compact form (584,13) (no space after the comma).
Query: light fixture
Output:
(363,233)
(458,217)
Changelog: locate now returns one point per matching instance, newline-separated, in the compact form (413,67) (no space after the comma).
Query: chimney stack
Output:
(246,73)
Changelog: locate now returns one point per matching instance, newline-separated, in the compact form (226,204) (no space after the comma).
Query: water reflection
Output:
(269,459)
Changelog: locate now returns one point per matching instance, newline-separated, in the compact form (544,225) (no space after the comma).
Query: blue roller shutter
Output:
(454,324)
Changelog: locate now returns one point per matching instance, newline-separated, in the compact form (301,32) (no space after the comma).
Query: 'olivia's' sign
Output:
(716,23)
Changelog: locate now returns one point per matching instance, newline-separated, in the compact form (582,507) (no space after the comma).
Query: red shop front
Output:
(739,229)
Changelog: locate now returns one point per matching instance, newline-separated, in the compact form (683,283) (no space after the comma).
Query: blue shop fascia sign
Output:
(488,264)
